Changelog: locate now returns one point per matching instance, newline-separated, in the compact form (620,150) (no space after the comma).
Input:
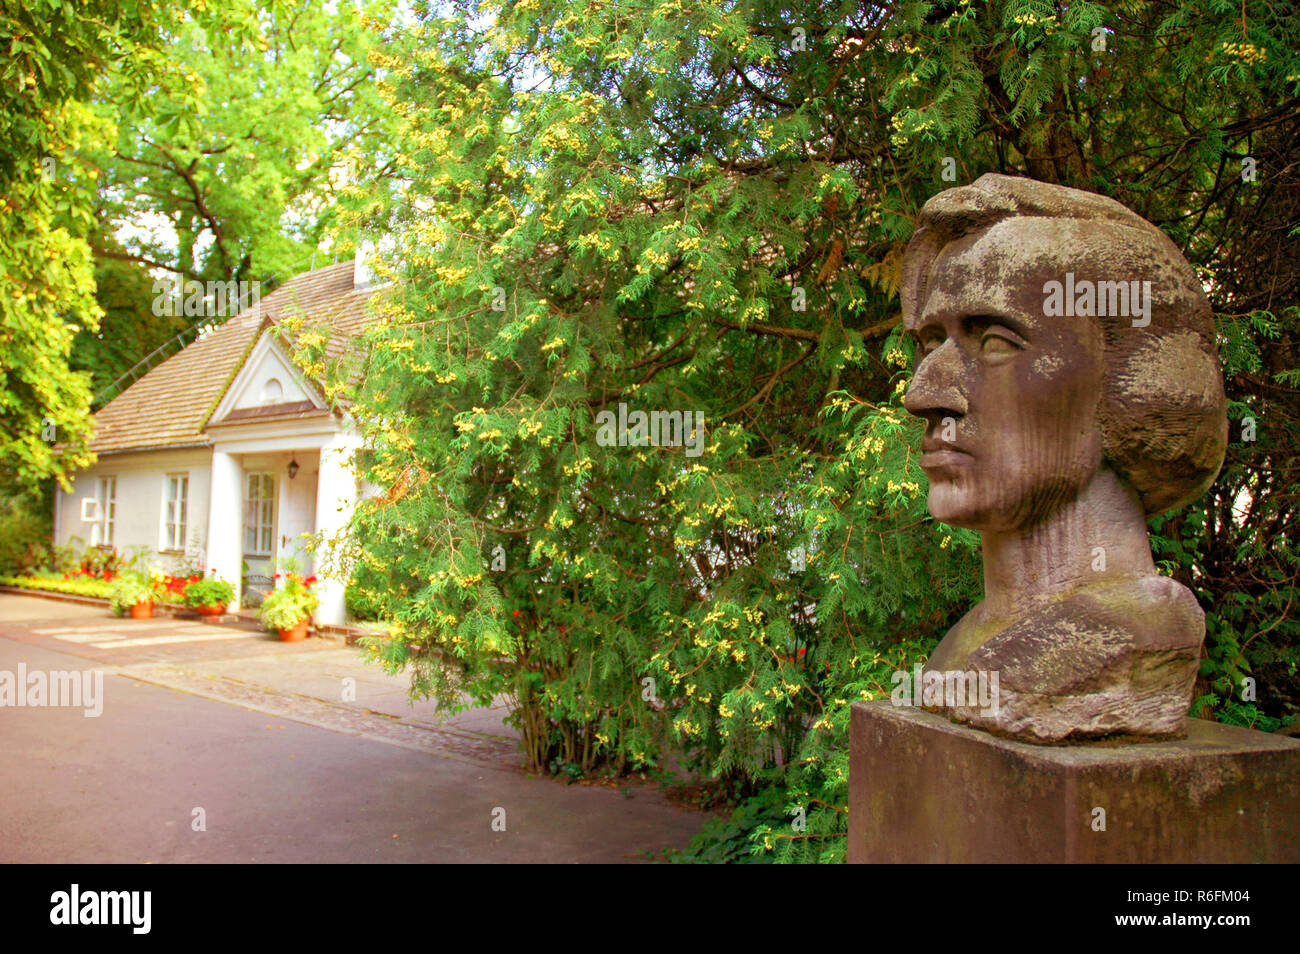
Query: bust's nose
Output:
(936,388)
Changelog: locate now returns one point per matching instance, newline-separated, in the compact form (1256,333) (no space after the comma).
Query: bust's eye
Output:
(997,342)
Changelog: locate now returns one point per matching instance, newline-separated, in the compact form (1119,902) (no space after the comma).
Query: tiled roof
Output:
(169,406)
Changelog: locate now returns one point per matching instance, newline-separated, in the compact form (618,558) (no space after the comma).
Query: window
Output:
(272,391)
(259,515)
(101,532)
(175,508)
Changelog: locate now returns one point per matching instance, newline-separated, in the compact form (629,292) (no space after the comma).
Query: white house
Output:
(226,454)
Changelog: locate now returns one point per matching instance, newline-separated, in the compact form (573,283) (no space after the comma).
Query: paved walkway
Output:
(302,750)
(189,654)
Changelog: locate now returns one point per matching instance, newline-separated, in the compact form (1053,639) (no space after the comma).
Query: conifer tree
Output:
(645,206)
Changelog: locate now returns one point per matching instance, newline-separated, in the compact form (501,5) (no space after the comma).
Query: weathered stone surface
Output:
(1093,664)
(1055,434)
(925,790)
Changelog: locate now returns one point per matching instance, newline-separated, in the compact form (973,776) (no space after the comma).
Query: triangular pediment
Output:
(267,379)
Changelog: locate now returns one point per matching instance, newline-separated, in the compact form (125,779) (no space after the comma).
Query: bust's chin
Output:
(1007,502)
(956,506)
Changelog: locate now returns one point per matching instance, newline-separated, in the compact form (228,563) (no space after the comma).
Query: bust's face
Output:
(1009,395)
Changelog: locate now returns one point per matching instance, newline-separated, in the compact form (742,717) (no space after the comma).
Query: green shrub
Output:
(24,539)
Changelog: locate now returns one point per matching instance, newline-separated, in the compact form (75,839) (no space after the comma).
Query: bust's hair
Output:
(1162,414)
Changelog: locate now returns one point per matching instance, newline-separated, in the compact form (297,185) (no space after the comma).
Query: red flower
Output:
(516,612)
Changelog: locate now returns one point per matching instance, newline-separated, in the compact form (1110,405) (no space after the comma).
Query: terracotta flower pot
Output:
(142,610)
(295,633)
(216,609)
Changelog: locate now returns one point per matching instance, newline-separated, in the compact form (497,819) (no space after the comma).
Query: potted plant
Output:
(132,593)
(287,609)
(209,596)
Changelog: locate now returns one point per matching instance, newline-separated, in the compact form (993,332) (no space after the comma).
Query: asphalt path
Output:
(168,776)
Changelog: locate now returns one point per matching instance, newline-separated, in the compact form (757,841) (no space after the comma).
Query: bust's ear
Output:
(1164,419)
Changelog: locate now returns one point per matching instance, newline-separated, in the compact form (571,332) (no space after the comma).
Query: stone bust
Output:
(1067,372)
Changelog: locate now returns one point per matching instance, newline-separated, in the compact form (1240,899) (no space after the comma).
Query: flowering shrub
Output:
(79,574)
(75,559)
(292,601)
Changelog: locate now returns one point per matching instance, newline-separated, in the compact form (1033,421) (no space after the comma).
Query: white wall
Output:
(141,486)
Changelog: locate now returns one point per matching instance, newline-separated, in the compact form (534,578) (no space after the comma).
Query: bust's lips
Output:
(939,453)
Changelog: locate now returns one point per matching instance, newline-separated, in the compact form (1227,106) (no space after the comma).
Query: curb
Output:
(439,742)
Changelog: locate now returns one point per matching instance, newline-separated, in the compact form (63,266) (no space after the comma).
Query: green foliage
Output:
(730,602)
(24,537)
(729,839)
(46,297)
(361,596)
(680,208)
(54,53)
(264,113)
(128,329)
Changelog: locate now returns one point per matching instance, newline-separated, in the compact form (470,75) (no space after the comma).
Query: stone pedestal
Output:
(922,789)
